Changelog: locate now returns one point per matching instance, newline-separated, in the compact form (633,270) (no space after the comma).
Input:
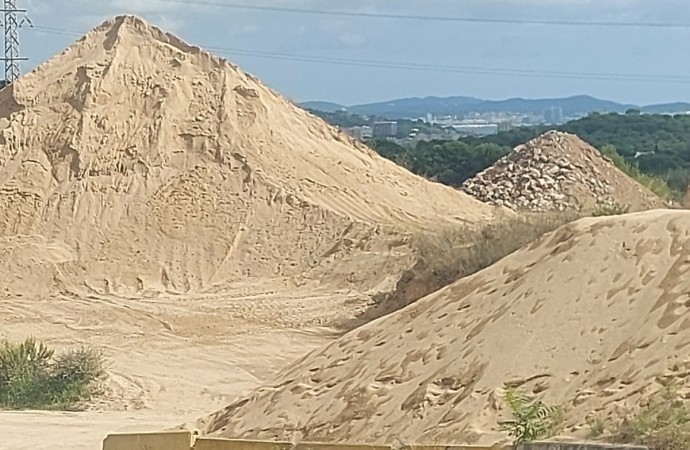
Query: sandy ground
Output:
(160,203)
(171,360)
(594,317)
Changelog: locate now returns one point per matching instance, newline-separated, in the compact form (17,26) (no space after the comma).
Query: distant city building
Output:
(360,133)
(476,129)
(444,120)
(502,119)
(384,129)
(554,116)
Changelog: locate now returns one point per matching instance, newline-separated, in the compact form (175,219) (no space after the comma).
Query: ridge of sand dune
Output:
(593,317)
(557,172)
(134,148)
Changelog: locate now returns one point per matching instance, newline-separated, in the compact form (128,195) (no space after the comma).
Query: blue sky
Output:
(629,51)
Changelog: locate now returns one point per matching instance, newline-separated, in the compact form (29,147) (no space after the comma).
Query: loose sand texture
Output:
(593,317)
(158,202)
(148,165)
(559,172)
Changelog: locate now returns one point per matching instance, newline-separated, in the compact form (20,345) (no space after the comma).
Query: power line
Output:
(456,69)
(428,18)
(427,67)
(60,31)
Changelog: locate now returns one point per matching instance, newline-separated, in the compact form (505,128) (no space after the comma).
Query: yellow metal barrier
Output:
(206,443)
(451,447)
(176,440)
(183,440)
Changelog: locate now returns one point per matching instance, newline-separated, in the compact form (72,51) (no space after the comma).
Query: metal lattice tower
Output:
(12,24)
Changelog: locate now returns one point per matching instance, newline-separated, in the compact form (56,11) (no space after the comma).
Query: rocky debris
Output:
(558,172)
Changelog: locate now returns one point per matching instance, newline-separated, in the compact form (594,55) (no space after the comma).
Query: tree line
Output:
(647,147)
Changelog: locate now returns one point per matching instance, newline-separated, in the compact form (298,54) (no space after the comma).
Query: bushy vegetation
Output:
(34,376)
(660,142)
(532,419)
(447,162)
(654,183)
(652,149)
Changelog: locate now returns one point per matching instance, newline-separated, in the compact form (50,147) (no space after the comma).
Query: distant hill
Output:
(570,105)
(419,106)
(322,106)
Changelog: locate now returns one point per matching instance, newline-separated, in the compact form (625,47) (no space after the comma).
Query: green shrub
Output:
(657,185)
(532,419)
(32,376)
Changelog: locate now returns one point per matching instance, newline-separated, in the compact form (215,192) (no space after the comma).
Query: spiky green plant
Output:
(532,418)
(32,376)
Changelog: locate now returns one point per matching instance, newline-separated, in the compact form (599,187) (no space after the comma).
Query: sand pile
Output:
(136,163)
(595,317)
(558,172)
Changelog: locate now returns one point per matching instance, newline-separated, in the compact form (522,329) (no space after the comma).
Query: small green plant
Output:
(532,419)
(597,426)
(32,376)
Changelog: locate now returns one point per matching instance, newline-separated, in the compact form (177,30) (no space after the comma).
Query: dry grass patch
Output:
(454,253)
(459,252)
(661,423)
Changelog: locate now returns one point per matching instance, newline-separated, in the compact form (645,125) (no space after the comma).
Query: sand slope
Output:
(155,166)
(594,316)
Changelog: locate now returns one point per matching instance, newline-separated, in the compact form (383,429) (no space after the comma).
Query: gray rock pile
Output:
(558,172)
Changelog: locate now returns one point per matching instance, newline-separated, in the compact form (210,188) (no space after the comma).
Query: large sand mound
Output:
(558,172)
(160,204)
(148,165)
(594,316)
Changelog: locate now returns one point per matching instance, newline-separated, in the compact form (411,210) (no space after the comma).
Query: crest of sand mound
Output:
(558,172)
(594,317)
(134,162)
